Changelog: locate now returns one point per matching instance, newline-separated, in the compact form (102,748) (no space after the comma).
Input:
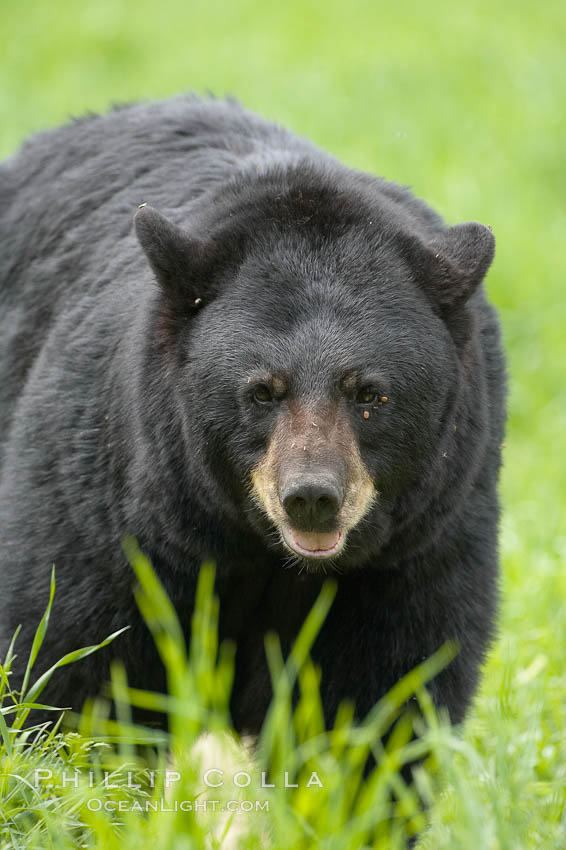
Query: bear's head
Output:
(322,342)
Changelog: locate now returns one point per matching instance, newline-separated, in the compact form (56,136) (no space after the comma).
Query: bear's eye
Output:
(366,395)
(262,394)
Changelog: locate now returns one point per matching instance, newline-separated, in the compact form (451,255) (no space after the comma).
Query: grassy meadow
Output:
(466,104)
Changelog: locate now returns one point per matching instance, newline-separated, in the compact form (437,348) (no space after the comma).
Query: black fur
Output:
(125,409)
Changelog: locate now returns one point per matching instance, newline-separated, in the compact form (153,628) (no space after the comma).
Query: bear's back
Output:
(68,199)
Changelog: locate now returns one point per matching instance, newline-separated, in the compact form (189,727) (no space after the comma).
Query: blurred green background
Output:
(464,102)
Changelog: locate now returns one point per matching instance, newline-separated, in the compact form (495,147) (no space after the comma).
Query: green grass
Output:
(53,790)
(465,102)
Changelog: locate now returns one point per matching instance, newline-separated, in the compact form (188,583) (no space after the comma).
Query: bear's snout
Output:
(312,502)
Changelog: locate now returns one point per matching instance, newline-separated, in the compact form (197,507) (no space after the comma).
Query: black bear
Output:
(281,364)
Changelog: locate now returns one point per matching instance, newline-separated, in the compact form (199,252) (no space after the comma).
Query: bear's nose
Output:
(311,502)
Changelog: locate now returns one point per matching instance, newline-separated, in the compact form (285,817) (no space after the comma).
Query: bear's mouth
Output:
(313,545)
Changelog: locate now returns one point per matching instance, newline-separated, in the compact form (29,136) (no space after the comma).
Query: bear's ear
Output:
(181,263)
(452,266)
